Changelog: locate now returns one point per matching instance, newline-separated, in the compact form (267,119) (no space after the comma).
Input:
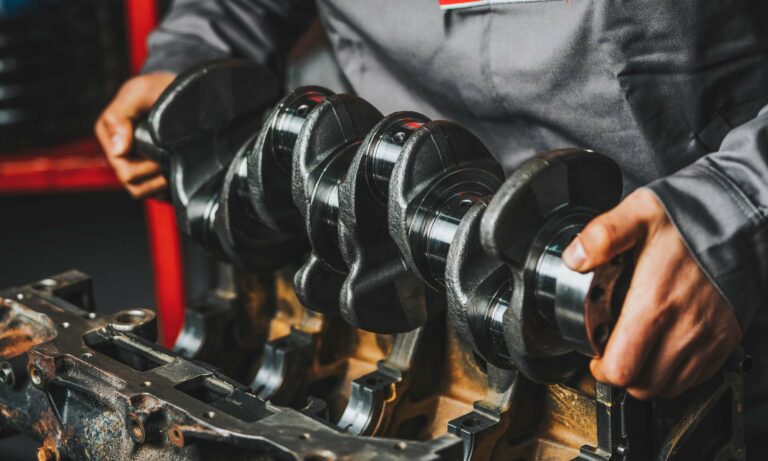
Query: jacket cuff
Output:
(178,57)
(724,231)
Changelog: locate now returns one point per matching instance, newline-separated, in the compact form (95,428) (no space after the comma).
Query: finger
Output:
(660,369)
(642,319)
(133,99)
(596,369)
(100,129)
(726,337)
(610,234)
(704,364)
(120,133)
(149,188)
(139,171)
(133,172)
(669,361)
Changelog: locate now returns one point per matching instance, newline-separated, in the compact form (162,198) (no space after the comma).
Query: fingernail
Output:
(575,256)
(118,144)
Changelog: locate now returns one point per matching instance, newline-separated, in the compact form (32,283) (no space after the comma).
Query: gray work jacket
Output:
(674,90)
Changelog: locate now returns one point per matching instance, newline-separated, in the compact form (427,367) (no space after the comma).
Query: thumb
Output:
(607,236)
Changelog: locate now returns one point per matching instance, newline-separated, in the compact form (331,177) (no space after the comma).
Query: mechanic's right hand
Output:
(114,129)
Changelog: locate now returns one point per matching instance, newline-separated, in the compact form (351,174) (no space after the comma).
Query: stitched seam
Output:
(750,210)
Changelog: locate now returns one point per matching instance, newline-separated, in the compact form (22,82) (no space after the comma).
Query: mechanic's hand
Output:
(114,129)
(675,330)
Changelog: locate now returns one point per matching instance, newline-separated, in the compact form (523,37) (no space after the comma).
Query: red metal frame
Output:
(163,229)
(74,167)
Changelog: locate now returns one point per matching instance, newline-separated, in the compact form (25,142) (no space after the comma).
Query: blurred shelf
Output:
(72,167)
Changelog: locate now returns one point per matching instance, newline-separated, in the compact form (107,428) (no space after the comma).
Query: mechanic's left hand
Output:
(675,329)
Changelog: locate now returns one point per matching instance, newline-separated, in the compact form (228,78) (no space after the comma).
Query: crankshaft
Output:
(386,222)
(400,216)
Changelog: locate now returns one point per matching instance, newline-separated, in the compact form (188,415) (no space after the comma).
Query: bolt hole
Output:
(35,376)
(466,203)
(746,364)
(304,436)
(472,422)
(176,435)
(302,110)
(601,333)
(133,317)
(146,384)
(399,137)
(136,428)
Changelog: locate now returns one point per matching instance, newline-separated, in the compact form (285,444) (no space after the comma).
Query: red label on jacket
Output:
(456,4)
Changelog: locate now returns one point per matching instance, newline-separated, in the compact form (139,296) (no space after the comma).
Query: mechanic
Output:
(674,91)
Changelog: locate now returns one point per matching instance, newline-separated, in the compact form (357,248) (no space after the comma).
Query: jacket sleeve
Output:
(720,206)
(195,31)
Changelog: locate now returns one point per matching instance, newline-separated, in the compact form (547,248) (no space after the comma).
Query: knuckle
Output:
(618,375)
(136,84)
(646,201)
(110,115)
(643,198)
(600,233)
(642,195)
(125,176)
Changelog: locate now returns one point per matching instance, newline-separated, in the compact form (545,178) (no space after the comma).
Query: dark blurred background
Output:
(59,60)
